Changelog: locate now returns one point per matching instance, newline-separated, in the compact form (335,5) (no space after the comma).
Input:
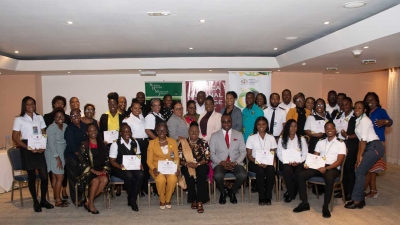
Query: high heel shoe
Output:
(95,212)
(372,194)
(162,205)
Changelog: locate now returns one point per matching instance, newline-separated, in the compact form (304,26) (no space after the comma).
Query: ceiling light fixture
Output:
(210,70)
(69,72)
(326,23)
(70,22)
(353,5)
(279,70)
(291,38)
(303,64)
(140,70)
(17,52)
(366,47)
(191,48)
(337,72)
(202,21)
(275,49)
(158,13)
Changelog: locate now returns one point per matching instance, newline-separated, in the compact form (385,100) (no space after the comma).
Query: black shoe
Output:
(46,205)
(338,195)
(288,199)
(232,196)
(268,201)
(302,207)
(95,212)
(352,205)
(36,207)
(347,198)
(135,207)
(222,198)
(286,194)
(325,212)
(261,201)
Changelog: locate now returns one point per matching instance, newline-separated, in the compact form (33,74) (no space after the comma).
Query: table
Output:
(6,178)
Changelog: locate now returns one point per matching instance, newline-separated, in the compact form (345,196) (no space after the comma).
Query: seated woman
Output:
(133,179)
(195,154)
(291,170)
(333,151)
(163,148)
(93,161)
(265,174)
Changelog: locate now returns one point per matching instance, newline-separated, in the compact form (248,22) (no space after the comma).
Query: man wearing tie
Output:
(275,115)
(228,151)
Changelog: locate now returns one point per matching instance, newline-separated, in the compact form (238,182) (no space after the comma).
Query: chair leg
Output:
(316,190)
(148,193)
(242,193)
(37,187)
(209,192)
(177,193)
(20,194)
(343,197)
(12,192)
(249,190)
(112,191)
(76,195)
(215,193)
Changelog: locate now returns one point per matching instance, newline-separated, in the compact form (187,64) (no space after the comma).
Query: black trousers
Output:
(291,177)
(329,177)
(72,171)
(265,179)
(349,175)
(219,174)
(133,180)
(143,144)
(201,195)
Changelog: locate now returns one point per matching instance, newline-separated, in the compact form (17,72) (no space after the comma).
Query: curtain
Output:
(393,109)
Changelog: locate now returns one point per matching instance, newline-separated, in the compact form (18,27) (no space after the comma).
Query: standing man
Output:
(201,97)
(340,97)
(250,114)
(332,107)
(166,109)
(227,152)
(141,98)
(287,100)
(275,115)
(122,106)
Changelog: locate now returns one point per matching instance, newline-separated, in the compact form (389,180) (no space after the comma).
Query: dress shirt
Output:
(27,125)
(114,148)
(200,109)
(310,120)
(279,119)
(151,120)
(330,109)
(255,142)
(330,150)
(293,144)
(287,107)
(137,125)
(365,130)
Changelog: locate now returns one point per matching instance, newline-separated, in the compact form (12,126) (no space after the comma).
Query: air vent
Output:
(148,73)
(368,61)
(331,69)
(158,13)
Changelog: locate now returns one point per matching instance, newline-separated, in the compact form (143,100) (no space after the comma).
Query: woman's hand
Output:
(294,163)
(306,166)
(59,164)
(318,135)
(122,167)
(343,133)
(191,165)
(177,172)
(322,170)
(381,123)
(155,172)
(40,150)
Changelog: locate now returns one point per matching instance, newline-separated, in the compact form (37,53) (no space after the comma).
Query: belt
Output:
(370,142)
(142,139)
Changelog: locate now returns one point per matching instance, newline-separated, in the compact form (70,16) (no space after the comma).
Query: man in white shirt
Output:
(287,100)
(333,151)
(200,106)
(275,115)
(332,104)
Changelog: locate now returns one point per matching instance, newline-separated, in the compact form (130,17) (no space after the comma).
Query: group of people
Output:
(206,145)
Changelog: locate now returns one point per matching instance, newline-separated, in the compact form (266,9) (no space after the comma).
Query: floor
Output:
(383,210)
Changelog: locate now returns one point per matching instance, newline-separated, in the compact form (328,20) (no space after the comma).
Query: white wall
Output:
(94,88)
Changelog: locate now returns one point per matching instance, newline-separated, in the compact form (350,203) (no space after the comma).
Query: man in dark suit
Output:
(228,151)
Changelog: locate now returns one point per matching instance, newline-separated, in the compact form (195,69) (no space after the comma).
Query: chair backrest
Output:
(14,155)
(342,166)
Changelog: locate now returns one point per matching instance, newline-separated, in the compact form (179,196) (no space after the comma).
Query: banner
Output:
(244,81)
(159,89)
(215,88)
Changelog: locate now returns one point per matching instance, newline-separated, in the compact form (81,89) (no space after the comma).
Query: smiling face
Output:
(226,122)
(156,106)
(178,110)
(89,112)
(346,106)
(359,109)
(293,128)
(286,97)
(330,130)
(229,100)
(299,101)
(249,99)
(319,107)
(162,131)
(136,109)
(92,132)
(59,118)
(262,126)
(76,117)
(371,101)
(112,106)
(125,133)
(30,106)
(194,132)
(201,96)
(191,109)
(209,105)
(122,104)
(74,103)
(167,101)
(310,104)
(260,100)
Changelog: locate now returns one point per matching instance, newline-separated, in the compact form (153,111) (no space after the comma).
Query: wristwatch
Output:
(198,164)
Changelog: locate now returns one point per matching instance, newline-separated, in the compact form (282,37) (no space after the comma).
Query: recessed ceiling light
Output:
(191,48)
(355,4)
(70,22)
(326,23)
(69,72)
(366,47)
(303,64)
(202,21)
(275,49)
(291,38)
(210,70)
(279,70)
(17,52)
(140,70)
(337,72)
(158,13)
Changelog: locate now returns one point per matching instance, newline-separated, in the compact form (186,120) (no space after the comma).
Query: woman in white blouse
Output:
(370,150)
(265,174)
(209,120)
(293,144)
(314,127)
(26,124)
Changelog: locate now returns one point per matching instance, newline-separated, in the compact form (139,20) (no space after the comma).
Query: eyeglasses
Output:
(75,116)
(319,105)
(178,109)
(299,100)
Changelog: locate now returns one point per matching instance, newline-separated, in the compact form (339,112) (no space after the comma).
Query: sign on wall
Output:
(215,88)
(159,89)
(244,81)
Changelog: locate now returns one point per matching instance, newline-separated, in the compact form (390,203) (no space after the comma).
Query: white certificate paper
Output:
(340,124)
(318,126)
(131,162)
(265,157)
(314,161)
(291,155)
(110,136)
(37,141)
(167,167)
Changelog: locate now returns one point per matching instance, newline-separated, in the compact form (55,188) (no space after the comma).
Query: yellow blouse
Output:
(113,122)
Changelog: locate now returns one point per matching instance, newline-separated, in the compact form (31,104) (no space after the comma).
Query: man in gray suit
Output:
(228,151)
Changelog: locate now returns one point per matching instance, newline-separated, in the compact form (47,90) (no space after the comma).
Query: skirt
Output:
(32,161)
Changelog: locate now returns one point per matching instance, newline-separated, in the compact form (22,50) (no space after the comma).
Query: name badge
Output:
(35,130)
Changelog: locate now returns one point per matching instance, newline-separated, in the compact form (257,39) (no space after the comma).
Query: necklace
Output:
(192,142)
(326,152)
(162,142)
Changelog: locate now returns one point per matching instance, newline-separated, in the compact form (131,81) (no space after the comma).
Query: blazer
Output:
(104,123)
(213,124)
(177,127)
(154,153)
(292,114)
(219,151)
(236,118)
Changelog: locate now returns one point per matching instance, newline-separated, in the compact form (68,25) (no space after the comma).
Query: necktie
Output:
(227,145)
(271,126)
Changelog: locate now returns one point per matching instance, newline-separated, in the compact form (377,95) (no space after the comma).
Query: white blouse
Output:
(114,148)
(255,142)
(137,125)
(27,125)
(345,121)
(330,150)
(365,129)
(293,144)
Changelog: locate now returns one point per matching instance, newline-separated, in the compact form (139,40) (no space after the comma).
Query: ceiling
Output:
(115,29)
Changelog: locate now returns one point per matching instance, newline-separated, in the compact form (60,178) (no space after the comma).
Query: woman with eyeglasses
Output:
(177,127)
(191,115)
(89,112)
(299,113)
(233,111)
(314,126)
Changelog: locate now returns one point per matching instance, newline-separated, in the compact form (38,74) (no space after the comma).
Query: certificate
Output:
(341,124)
(291,155)
(131,162)
(265,157)
(314,161)
(110,136)
(167,167)
(318,126)
(37,141)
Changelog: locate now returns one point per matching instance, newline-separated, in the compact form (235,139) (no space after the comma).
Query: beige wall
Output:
(13,89)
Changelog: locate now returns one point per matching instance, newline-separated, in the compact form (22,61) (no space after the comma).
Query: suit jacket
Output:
(219,151)
(213,124)
(154,153)
(292,114)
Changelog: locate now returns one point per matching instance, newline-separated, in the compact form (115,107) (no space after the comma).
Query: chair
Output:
(338,182)
(252,176)
(114,181)
(14,155)
(209,192)
(228,176)
(152,181)
(278,182)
